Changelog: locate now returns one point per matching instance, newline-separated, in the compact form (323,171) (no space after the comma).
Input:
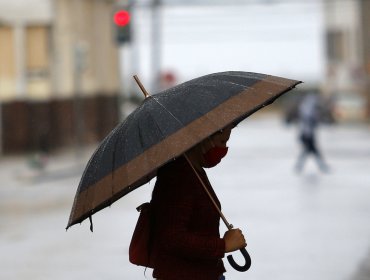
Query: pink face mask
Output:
(214,156)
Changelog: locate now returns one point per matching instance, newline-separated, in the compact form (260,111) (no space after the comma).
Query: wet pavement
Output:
(303,226)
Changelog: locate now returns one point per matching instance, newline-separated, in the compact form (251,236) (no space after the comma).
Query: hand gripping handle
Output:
(237,267)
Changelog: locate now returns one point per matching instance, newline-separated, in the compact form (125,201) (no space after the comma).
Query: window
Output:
(37,61)
(7,62)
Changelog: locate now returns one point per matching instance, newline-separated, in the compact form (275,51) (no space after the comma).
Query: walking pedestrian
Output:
(308,121)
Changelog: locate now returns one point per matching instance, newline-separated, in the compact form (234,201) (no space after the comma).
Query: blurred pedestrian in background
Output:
(309,117)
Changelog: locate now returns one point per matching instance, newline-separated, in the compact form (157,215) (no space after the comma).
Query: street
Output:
(304,226)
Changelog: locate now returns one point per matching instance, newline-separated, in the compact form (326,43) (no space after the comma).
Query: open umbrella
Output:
(165,126)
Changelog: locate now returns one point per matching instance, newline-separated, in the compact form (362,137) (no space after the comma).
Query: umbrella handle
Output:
(237,267)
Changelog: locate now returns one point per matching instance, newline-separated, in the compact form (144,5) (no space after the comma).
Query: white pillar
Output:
(156,47)
(20,60)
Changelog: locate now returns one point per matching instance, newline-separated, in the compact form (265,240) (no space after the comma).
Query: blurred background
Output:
(66,70)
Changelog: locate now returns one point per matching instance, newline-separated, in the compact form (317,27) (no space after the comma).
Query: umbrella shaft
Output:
(146,94)
(227,224)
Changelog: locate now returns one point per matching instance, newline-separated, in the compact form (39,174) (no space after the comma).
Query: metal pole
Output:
(125,65)
(134,52)
(123,95)
(156,44)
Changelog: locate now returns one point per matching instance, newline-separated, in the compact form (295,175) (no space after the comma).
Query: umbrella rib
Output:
(113,169)
(164,107)
(113,166)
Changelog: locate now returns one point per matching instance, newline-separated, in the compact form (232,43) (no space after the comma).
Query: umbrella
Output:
(165,126)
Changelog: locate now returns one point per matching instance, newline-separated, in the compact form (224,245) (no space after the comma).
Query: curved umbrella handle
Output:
(237,267)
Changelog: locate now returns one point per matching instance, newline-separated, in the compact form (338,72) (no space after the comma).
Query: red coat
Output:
(186,241)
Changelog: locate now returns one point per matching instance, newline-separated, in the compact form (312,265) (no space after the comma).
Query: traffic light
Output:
(122,24)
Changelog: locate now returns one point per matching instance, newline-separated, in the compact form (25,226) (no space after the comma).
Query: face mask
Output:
(214,156)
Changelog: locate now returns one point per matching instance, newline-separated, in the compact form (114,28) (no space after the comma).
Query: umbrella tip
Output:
(146,94)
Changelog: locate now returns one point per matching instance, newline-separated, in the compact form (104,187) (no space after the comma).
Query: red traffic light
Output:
(122,18)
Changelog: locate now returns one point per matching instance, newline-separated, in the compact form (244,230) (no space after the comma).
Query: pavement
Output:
(299,226)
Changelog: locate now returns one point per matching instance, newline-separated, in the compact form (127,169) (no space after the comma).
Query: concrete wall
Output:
(84,29)
(49,125)
(345,75)
(58,72)
(23,11)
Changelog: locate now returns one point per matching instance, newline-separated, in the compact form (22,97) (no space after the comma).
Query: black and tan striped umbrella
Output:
(165,126)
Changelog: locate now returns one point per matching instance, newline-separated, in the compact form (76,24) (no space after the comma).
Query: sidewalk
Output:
(363,272)
(298,227)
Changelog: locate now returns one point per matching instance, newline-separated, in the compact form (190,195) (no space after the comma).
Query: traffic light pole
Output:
(156,50)
(122,24)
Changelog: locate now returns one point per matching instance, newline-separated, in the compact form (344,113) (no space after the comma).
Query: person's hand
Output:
(234,240)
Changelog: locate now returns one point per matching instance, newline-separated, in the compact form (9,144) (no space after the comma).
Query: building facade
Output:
(347,53)
(365,34)
(59,81)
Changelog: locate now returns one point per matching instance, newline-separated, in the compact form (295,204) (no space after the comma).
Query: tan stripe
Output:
(177,143)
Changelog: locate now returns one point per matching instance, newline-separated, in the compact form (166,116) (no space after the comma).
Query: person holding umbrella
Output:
(173,135)
(186,241)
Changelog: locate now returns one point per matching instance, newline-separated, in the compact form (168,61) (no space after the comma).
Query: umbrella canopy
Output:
(165,126)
